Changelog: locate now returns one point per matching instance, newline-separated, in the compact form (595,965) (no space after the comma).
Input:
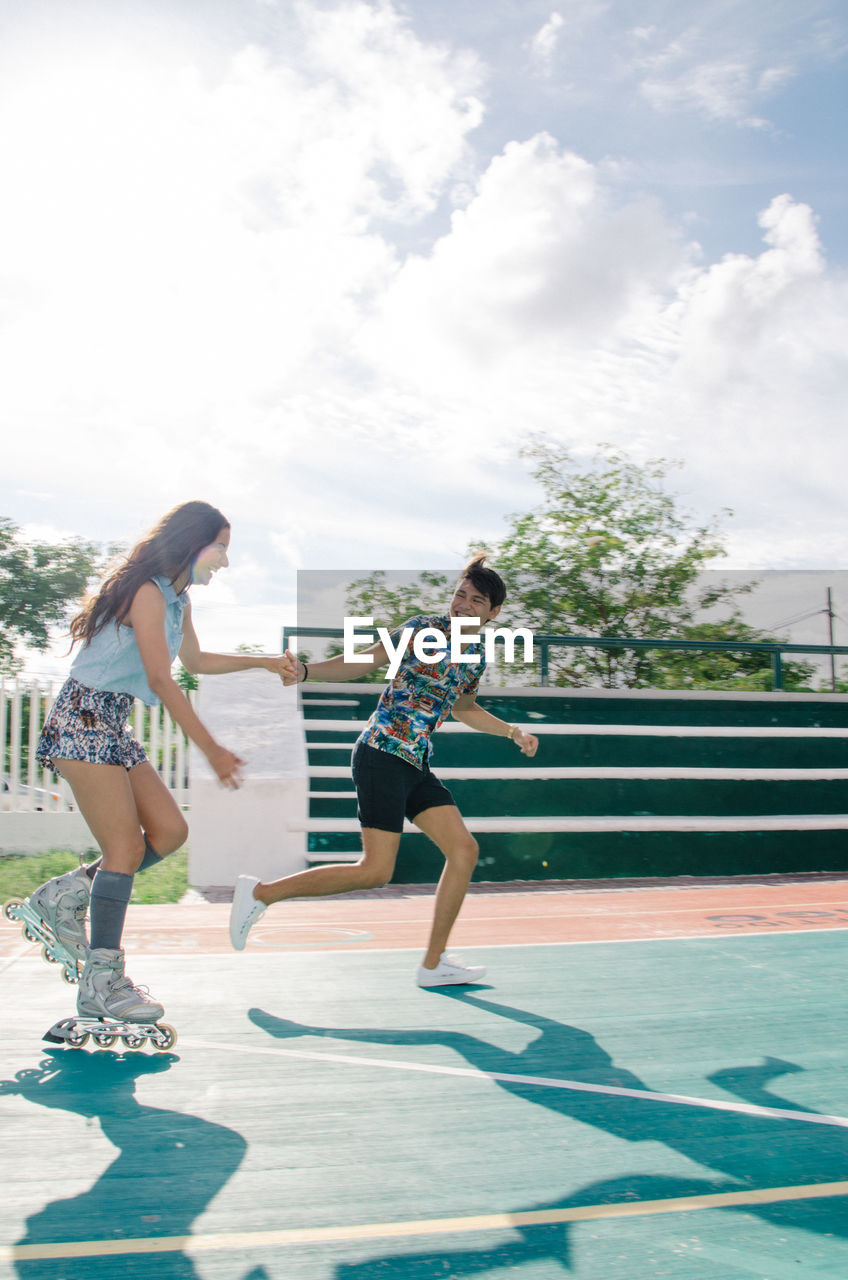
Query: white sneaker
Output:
(449,973)
(245,912)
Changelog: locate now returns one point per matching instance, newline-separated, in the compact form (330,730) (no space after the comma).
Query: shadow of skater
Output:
(167,1170)
(737,1151)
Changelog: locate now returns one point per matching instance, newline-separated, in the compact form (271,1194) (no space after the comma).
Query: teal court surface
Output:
(622,1107)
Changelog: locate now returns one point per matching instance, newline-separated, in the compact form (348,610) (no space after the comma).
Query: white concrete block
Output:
(247,831)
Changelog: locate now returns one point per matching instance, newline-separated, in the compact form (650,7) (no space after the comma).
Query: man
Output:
(392,775)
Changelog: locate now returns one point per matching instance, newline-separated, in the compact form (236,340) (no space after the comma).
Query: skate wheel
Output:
(28,934)
(72,979)
(76,1039)
(11,907)
(45,955)
(165,1039)
(132,1040)
(103,1039)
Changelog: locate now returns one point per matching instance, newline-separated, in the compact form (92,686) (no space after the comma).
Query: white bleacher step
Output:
(355,727)
(313,857)
(684,823)
(330,702)
(536,773)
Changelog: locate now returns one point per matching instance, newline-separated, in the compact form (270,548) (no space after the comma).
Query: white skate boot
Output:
(109,1005)
(54,915)
(106,991)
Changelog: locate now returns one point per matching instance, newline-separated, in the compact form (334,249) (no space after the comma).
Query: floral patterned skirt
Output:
(91,725)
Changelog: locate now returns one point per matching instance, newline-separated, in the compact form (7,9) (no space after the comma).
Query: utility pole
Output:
(830,641)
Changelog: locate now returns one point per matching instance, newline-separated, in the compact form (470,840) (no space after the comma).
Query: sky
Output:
(330,265)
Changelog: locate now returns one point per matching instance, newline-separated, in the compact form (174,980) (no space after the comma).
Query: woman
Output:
(130,632)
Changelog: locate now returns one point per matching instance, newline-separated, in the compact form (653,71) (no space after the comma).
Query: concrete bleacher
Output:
(625,784)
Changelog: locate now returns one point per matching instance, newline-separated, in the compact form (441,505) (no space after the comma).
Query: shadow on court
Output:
(168,1168)
(737,1151)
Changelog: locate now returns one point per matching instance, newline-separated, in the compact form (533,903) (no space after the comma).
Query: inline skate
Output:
(111,1007)
(75,1032)
(54,915)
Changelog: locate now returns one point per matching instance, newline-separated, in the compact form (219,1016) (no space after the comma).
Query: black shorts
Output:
(389,790)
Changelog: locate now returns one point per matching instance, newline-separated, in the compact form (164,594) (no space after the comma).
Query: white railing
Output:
(27,788)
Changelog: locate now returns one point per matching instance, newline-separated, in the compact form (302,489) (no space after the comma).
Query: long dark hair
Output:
(170,548)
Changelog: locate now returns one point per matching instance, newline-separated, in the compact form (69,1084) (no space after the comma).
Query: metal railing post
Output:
(777,670)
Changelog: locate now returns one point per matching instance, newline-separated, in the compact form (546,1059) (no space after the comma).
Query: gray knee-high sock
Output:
(151,857)
(110,894)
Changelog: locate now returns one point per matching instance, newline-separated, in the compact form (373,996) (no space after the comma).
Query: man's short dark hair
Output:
(485,580)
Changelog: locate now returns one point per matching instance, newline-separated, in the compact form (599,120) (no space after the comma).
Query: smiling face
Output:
(211,559)
(469,602)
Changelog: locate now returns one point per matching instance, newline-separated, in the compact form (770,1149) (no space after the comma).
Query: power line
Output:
(800,617)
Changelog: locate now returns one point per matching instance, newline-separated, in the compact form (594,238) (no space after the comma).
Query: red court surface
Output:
(516,915)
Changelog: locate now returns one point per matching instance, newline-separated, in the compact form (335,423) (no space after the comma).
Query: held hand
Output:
(279,665)
(290,673)
(227,766)
(527,743)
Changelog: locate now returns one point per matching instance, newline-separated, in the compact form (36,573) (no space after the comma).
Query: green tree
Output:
(608,554)
(40,583)
(390,604)
(186,680)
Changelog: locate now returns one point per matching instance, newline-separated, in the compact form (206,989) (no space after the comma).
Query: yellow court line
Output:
(420,1227)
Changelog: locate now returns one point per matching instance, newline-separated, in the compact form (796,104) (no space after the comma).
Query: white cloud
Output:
(543,253)
(552,306)
(746,317)
(181,246)
(415,103)
(720,70)
(719,90)
(544,43)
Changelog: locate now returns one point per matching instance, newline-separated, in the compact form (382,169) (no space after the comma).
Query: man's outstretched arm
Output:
(466,710)
(333,669)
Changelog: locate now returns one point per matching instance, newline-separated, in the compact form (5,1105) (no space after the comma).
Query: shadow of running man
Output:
(168,1168)
(737,1150)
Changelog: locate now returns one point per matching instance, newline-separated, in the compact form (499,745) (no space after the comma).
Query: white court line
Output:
(348,938)
(722,935)
(556,912)
(606,942)
(24,949)
(262,949)
(668,937)
(542,1082)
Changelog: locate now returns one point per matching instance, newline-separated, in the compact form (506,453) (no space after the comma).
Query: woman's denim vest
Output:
(111,660)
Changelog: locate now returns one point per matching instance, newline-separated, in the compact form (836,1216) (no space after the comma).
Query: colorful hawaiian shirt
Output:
(421,696)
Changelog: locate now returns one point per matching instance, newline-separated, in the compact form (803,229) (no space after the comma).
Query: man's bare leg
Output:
(445,827)
(374,868)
